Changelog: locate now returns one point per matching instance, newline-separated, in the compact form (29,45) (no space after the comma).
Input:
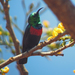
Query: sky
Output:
(38,65)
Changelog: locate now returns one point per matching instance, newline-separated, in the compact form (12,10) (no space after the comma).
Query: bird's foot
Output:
(29,54)
(42,43)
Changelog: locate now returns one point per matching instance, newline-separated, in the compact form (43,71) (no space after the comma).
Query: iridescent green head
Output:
(34,18)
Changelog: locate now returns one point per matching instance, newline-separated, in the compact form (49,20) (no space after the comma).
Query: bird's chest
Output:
(34,31)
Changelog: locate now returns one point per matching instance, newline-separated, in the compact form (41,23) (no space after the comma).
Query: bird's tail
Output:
(23,61)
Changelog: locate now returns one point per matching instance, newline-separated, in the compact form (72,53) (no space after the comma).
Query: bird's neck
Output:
(37,26)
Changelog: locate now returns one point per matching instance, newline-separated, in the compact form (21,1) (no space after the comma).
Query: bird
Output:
(32,34)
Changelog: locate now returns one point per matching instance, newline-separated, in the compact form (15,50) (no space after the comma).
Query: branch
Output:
(65,12)
(45,54)
(10,29)
(27,54)
(51,53)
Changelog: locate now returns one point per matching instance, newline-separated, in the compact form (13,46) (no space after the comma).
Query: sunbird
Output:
(32,34)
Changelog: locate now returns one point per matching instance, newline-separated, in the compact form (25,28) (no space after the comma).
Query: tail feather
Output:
(23,61)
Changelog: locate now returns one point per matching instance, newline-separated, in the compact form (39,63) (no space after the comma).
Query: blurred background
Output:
(37,65)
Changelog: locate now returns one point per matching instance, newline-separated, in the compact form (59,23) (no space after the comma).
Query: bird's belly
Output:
(33,41)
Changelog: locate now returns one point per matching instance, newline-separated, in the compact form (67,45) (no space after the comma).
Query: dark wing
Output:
(26,34)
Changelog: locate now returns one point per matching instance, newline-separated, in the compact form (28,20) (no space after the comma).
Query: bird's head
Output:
(34,18)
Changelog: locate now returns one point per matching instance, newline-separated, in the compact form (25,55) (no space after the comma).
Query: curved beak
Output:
(39,10)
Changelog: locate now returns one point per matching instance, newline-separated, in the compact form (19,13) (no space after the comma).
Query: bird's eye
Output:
(35,16)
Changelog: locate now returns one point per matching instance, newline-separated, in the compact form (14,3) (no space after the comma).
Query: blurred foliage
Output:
(1,61)
(52,33)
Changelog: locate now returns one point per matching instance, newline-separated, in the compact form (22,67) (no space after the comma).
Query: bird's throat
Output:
(34,31)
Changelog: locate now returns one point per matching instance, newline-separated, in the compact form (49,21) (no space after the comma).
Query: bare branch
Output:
(27,54)
(45,54)
(51,53)
(9,27)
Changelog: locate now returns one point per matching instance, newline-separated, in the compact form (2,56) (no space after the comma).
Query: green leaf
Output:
(6,33)
(63,44)
(0,50)
(15,18)
(1,61)
(13,51)
(10,39)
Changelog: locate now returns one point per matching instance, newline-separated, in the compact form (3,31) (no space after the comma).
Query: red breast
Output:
(34,31)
